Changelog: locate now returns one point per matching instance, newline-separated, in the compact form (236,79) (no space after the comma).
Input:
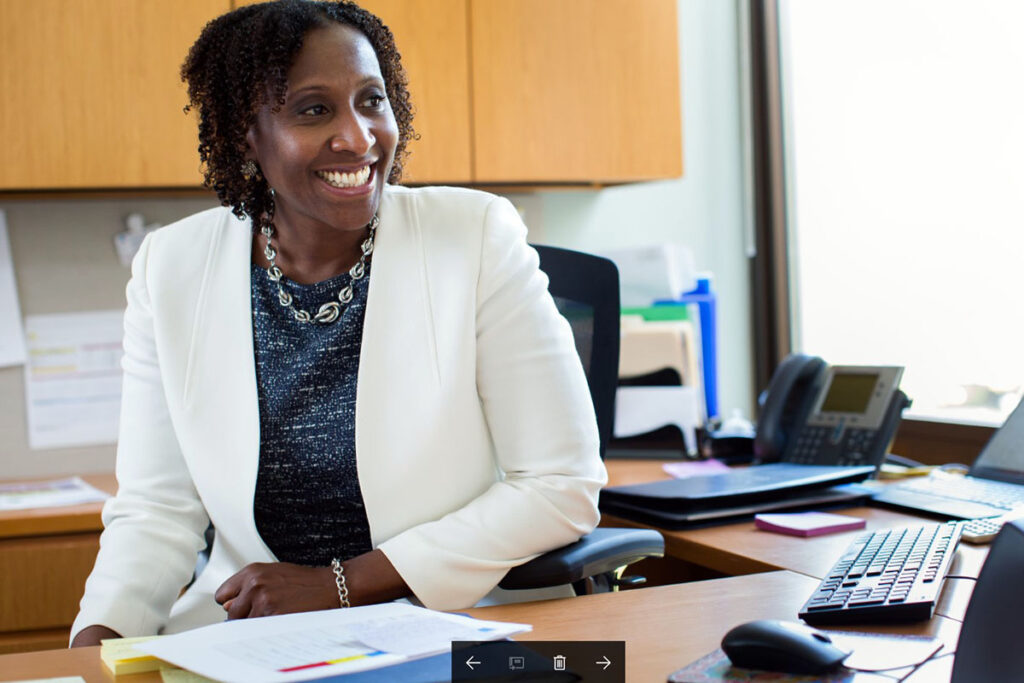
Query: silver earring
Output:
(249,169)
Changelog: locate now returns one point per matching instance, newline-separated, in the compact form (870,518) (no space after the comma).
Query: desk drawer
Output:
(43,579)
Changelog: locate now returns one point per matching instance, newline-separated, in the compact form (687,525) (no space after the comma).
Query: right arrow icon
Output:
(472,662)
(604,662)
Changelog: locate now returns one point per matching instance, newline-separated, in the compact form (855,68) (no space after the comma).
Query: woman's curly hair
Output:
(240,63)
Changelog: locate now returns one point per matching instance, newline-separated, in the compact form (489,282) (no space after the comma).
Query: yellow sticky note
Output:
(120,656)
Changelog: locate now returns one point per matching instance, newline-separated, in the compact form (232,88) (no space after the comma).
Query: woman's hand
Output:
(92,635)
(260,590)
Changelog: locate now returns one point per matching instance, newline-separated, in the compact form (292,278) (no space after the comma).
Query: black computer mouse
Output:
(786,646)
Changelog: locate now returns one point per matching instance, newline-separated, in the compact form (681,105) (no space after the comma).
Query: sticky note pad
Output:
(120,656)
(807,523)
(692,468)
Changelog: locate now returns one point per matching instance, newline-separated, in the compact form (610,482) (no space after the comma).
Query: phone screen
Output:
(849,393)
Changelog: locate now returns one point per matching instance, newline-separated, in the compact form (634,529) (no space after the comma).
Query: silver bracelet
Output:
(339,581)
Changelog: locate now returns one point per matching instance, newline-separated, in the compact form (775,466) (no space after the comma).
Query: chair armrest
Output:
(601,551)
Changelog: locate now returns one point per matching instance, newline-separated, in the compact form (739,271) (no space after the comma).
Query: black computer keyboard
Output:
(888,575)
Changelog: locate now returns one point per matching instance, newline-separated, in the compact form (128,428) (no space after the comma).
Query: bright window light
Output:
(904,145)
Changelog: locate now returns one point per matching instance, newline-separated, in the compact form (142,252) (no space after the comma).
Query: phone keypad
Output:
(808,445)
(813,440)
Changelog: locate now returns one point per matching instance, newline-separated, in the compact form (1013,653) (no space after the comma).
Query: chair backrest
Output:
(586,290)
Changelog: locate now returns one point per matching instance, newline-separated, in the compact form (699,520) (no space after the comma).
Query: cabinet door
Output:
(431,37)
(575,90)
(92,93)
(44,578)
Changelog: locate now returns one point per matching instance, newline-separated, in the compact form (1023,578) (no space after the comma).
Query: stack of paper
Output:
(299,647)
(120,656)
(39,494)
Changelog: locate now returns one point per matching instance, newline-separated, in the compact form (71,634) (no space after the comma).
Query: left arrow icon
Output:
(471,663)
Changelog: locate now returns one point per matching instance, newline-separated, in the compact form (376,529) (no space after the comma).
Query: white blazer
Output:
(476,443)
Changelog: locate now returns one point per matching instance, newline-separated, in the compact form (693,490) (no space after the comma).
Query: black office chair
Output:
(586,290)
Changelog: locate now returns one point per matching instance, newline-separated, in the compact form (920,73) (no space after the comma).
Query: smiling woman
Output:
(365,389)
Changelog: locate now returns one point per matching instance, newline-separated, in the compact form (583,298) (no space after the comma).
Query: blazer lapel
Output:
(398,364)
(222,401)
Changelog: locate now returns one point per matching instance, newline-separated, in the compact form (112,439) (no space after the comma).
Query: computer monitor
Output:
(989,648)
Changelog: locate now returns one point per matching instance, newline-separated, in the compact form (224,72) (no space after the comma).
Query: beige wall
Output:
(64,261)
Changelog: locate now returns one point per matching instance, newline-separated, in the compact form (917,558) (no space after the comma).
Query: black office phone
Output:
(816,414)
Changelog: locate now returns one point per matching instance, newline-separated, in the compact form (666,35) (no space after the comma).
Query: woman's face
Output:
(328,151)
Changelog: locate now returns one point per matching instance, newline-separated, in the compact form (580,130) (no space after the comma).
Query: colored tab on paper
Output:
(340,660)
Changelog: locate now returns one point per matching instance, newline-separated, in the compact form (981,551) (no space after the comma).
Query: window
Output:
(904,153)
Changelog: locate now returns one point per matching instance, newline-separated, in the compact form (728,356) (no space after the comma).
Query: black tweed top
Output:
(308,505)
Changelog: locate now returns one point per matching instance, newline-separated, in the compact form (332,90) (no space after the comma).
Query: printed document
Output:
(308,645)
(73,378)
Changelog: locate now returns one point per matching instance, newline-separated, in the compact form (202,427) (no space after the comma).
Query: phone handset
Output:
(792,388)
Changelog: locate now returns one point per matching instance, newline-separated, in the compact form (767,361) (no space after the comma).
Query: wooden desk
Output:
(741,548)
(665,627)
(45,556)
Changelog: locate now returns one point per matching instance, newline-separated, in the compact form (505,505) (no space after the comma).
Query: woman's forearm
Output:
(371,579)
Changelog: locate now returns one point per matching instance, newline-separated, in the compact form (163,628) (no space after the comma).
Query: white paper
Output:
(656,272)
(308,645)
(42,494)
(73,378)
(884,651)
(12,337)
(639,410)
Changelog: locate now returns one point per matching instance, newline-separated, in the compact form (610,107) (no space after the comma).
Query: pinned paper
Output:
(73,378)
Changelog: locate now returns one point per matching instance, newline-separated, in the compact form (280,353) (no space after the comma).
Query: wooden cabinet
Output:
(575,90)
(432,37)
(92,96)
(540,91)
(45,556)
(505,91)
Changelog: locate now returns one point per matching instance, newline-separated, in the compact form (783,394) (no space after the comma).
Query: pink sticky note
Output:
(807,523)
(692,468)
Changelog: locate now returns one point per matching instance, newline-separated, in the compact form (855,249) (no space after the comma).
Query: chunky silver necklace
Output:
(330,311)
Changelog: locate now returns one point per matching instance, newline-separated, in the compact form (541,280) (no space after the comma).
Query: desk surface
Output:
(665,627)
(742,548)
(67,519)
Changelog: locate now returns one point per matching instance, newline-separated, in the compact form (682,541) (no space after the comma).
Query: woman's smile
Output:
(347,180)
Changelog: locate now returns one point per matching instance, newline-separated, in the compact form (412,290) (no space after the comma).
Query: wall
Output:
(65,259)
(705,209)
